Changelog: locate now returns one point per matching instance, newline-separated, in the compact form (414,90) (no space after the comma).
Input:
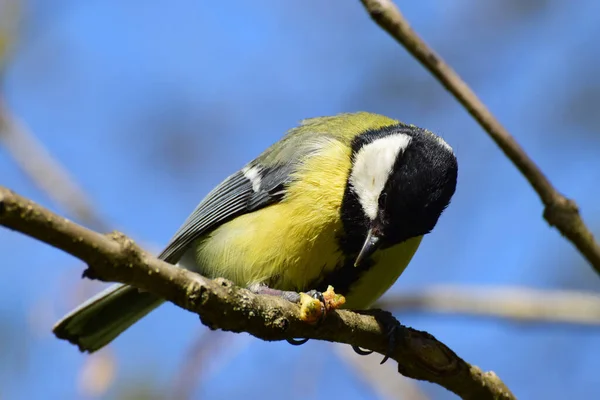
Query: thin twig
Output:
(559,211)
(221,305)
(521,304)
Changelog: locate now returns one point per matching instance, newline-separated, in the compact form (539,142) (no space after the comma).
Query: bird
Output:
(339,201)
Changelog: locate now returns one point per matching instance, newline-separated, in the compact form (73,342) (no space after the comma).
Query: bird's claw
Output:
(360,351)
(296,342)
(390,326)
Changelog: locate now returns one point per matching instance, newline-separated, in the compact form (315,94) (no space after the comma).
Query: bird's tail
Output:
(105,316)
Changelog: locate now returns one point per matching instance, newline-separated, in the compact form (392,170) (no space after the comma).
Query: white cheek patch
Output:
(253,175)
(372,166)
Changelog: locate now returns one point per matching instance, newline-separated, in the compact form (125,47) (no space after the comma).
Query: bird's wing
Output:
(249,189)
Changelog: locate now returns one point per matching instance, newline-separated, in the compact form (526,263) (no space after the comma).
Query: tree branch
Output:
(221,305)
(559,211)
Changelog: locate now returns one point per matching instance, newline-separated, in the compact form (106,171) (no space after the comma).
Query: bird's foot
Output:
(314,305)
(390,326)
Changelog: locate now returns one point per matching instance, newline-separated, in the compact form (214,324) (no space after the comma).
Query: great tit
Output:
(342,201)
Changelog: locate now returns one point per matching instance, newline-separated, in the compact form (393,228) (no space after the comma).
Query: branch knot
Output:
(561,212)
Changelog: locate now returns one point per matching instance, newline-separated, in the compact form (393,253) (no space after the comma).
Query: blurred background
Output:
(123,114)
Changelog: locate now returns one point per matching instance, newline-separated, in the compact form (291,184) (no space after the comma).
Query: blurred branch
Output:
(45,172)
(559,211)
(10,17)
(206,346)
(220,305)
(522,304)
(381,378)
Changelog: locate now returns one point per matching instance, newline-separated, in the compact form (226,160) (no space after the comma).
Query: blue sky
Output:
(150,104)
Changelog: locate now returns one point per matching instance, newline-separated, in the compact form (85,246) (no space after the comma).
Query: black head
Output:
(403,178)
(418,190)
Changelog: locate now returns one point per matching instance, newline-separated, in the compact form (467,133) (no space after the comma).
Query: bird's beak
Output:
(371,244)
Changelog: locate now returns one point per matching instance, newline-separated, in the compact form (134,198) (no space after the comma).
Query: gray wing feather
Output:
(233,197)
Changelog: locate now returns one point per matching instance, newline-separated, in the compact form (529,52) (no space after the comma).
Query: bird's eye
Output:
(383,199)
